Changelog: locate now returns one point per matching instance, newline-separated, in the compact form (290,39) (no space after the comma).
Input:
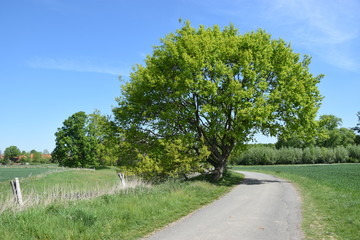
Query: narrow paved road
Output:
(261,208)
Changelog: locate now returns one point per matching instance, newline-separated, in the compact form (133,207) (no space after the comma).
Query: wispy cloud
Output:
(327,28)
(79,65)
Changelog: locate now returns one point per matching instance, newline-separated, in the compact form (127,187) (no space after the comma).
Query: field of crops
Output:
(11,172)
(331,194)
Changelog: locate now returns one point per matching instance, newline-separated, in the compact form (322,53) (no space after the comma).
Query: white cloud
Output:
(79,65)
(329,29)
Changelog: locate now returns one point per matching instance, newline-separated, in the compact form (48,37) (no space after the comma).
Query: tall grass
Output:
(128,214)
(62,194)
(62,186)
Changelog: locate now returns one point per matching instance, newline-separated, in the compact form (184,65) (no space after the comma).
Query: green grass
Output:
(331,197)
(130,214)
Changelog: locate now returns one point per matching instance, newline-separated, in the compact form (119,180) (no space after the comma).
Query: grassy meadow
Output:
(129,213)
(331,197)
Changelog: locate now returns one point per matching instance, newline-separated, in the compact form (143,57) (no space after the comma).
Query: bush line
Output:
(265,155)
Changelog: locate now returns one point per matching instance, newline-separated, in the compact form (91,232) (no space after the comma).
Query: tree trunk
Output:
(220,169)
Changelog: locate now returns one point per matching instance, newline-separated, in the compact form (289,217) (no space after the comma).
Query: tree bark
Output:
(220,170)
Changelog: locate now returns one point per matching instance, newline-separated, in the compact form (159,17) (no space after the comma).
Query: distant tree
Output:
(108,138)
(11,153)
(36,156)
(293,141)
(330,135)
(357,129)
(76,143)
(46,152)
(213,89)
(339,137)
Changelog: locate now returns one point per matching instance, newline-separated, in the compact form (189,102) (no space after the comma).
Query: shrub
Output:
(341,154)
(255,156)
(289,156)
(309,155)
(327,155)
(354,153)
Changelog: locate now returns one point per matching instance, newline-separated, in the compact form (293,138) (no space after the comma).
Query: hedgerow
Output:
(267,155)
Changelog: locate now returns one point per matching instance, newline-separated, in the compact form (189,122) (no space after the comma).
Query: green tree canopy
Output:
(329,122)
(328,134)
(11,153)
(216,88)
(357,129)
(331,135)
(76,142)
(108,138)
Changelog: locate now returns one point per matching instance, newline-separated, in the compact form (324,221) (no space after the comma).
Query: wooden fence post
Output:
(15,186)
(122,178)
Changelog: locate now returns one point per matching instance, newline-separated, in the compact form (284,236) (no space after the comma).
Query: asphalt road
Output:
(261,208)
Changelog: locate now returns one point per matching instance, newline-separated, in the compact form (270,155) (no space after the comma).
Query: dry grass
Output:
(59,193)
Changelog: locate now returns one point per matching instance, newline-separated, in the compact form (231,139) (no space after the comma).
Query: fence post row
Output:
(15,186)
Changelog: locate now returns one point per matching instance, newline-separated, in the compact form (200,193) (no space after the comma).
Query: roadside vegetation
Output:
(331,197)
(57,185)
(131,213)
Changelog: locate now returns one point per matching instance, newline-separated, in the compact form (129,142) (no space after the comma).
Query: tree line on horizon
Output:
(13,154)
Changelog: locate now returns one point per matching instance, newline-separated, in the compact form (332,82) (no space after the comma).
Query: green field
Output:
(11,172)
(331,197)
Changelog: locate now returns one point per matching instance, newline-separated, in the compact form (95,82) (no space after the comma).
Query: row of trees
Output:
(267,155)
(14,154)
(202,93)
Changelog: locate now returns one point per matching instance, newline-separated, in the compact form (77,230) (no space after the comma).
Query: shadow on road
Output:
(253,181)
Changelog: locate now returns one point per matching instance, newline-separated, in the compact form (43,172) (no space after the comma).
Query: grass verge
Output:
(130,214)
(331,197)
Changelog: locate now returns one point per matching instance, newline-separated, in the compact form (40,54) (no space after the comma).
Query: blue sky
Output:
(59,57)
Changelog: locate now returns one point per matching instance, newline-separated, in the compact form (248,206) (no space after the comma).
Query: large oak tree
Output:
(216,88)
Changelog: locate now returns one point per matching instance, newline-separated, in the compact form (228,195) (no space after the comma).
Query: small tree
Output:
(215,88)
(76,143)
(11,153)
